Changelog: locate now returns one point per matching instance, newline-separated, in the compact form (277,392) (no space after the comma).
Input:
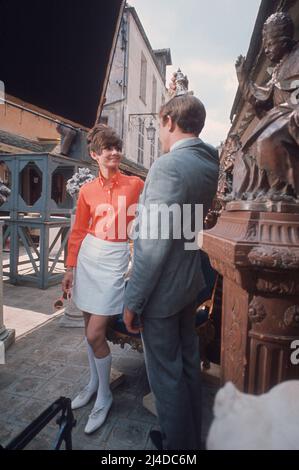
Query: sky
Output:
(205,38)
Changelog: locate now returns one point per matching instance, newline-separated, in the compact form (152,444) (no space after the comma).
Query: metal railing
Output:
(66,423)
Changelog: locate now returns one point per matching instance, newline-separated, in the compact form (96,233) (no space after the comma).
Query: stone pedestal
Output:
(72,316)
(257,253)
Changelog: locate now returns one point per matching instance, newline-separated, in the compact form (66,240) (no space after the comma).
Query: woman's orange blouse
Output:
(105,209)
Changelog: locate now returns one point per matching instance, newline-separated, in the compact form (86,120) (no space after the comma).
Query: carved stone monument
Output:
(255,244)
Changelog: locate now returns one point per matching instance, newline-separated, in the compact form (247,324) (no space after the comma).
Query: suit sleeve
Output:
(164,187)
(141,185)
(79,230)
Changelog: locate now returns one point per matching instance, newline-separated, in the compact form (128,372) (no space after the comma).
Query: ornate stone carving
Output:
(274,257)
(291,316)
(256,311)
(278,287)
(235,344)
(255,244)
(233,355)
(179,85)
(269,158)
(225,270)
(251,232)
(260,267)
(117,337)
(225,186)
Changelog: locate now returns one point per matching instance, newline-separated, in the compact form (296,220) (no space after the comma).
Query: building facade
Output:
(136,90)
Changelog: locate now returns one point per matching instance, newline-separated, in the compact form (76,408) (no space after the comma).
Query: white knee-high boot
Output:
(103,367)
(94,379)
(90,389)
(104,397)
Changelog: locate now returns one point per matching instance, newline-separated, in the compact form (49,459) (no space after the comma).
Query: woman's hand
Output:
(67,282)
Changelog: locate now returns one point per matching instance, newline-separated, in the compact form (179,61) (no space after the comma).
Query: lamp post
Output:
(151,132)
(148,120)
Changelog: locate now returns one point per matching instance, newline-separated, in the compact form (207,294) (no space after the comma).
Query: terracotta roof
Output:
(19,142)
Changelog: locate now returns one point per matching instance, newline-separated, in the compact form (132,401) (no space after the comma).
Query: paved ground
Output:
(48,361)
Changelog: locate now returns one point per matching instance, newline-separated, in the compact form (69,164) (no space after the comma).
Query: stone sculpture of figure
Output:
(274,143)
(248,422)
(178,85)
(225,186)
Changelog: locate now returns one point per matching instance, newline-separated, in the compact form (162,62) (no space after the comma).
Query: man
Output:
(166,277)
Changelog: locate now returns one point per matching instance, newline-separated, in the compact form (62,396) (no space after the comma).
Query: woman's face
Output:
(109,158)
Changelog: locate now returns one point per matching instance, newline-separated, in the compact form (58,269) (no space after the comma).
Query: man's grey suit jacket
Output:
(165,277)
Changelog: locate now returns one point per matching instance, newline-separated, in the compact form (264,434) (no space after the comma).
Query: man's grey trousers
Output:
(173,367)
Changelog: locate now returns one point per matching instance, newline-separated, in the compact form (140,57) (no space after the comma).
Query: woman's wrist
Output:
(69,269)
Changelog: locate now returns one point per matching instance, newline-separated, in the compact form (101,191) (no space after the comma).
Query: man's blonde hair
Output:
(187,111)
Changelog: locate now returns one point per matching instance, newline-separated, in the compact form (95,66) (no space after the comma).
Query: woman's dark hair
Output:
(101,137)
(187,112)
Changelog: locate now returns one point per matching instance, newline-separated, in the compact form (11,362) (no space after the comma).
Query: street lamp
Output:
(134,121)
(151,132)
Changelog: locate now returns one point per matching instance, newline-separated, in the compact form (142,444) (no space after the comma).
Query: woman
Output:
(98,257)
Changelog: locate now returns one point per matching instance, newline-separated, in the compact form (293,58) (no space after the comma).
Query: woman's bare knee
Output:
(95,338)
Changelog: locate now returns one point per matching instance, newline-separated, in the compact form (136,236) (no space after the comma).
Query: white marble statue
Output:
(248,422)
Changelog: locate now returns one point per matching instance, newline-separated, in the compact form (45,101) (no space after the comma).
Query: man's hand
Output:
(130,318)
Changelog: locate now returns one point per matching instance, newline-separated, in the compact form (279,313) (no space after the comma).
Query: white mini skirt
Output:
(99,278)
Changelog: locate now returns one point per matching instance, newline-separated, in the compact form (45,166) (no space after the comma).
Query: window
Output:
(143,72)
(104,120)
(154,95)
(152,153)
(140,141)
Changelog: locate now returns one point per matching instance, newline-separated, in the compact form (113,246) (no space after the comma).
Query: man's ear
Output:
(170,124)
